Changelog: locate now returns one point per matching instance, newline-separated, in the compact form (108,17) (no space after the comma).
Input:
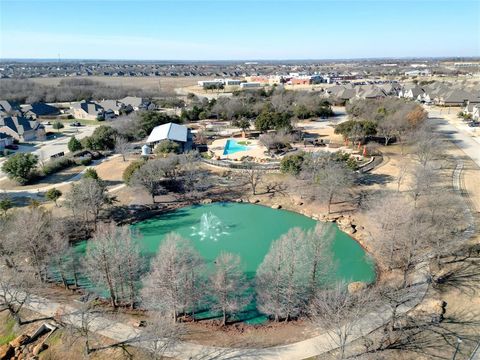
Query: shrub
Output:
(85,161)
(74,145)
(130,170)
(91,173)
(167,147)
(292,164)
(56,165)
(20,167)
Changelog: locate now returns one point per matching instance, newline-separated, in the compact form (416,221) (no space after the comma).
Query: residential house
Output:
(22,128)
(458,98)
(39,110)
(174,132)
(135,102)
(86,110)
(9,108)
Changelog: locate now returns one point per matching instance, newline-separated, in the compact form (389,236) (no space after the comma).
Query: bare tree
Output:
(102,257)
(61,253)
(150,175)
(333,180)
(86,199)
(122,146)
(423,181)
(30,237)
(282,278)
(253,177)
(228,286)
(427,146)
(403,167)
(129,264)
(392,214)
(319,257)
(174,282)
(338,311)
(82,323)
(160,334)
(16,289)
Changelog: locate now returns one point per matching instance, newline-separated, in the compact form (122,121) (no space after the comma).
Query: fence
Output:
(272,166)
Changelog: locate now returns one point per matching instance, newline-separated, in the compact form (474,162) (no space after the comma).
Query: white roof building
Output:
(169,131)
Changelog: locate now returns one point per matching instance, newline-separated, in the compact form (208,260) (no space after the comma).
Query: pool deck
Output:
(255,149)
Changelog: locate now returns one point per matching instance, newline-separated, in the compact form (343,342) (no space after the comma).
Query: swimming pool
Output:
(232,147)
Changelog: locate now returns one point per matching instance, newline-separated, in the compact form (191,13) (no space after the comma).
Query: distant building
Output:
(174,132)
(247,85)
(424,72)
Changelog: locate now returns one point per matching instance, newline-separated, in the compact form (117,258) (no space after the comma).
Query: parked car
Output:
(76,123)
(11,147)
(474,124)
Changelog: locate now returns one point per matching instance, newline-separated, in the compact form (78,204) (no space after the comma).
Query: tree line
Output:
(28,91)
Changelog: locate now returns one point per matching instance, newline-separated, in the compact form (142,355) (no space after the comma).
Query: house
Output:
(5,140)
(473,110)
(115,106)
(8,108)
(135,102)
(39,110)
(86,110)
(458,98)
(22,128)
(174,132)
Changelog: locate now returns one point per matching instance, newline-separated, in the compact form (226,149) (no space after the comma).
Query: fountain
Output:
(211,227)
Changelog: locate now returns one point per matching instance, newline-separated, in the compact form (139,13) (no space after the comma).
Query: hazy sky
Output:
(202,30)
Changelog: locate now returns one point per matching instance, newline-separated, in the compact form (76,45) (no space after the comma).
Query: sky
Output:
(238,30)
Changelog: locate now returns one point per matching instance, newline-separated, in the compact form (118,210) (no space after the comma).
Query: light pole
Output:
(459,341)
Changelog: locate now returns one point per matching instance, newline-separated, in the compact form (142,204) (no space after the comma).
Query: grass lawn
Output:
(6,333)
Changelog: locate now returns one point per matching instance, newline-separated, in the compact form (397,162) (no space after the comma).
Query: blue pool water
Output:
(232,147)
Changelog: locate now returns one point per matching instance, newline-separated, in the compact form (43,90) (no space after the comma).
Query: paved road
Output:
(461,138)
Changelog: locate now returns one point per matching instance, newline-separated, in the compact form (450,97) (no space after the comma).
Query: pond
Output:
(247,230)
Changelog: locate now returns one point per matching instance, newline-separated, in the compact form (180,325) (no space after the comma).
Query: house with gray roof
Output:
(9,108)
(86,110)
(22,128)
(116,106)
(39,110)
(173,132)
(135,102)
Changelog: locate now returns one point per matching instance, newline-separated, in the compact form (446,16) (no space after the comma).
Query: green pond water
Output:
(247,230)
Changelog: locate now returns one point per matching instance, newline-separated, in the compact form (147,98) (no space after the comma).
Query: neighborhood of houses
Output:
(22,123)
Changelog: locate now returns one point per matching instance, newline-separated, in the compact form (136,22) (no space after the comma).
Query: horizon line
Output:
(248,60)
